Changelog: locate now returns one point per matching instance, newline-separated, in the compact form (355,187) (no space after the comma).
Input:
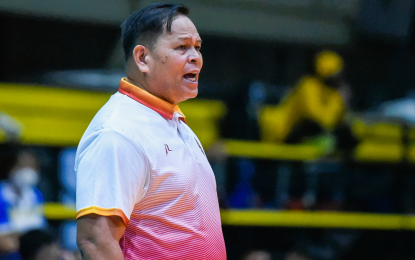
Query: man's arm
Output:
(98,237)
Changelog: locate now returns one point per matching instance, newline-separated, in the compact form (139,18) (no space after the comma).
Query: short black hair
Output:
(32,241)
(145,26)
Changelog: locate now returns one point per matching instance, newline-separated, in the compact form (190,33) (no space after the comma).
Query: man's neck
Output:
(136,83)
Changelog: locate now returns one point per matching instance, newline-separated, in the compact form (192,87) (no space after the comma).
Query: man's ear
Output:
(140,57)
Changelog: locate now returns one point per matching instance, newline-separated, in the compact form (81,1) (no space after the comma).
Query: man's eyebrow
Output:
(189,38)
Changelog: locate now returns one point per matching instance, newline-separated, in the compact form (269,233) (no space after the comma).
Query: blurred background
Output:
(306,110)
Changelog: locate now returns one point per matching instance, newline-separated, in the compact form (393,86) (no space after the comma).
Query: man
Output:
(145,189)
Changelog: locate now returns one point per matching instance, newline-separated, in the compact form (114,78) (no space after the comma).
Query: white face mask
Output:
(25,178)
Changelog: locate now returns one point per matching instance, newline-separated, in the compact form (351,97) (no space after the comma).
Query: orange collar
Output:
(162,107)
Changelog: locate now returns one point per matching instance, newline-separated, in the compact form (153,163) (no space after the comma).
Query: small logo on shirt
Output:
(167,148)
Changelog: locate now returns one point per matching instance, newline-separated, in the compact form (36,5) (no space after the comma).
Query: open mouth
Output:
(190,77)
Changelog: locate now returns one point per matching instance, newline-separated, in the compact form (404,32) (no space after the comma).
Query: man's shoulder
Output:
(121,113)
(105,140)
(119,118)
(123,118)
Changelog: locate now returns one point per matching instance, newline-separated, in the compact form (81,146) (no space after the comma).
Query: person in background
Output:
(41,244)
(314,112)
(10,128)
(317,105)
(20,201)
(257,255)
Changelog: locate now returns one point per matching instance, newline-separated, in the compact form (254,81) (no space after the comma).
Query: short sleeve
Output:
(112,175)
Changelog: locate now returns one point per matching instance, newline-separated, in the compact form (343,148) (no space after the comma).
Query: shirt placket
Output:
(184,135)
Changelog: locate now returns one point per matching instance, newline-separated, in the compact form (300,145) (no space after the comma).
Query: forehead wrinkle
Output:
(190,38)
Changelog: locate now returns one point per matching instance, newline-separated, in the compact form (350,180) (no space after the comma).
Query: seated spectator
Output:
(316,105)
(258,255)
(10,127)
(20,201)
(42,245)
(39,245)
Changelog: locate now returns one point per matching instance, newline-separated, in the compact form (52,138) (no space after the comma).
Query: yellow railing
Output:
(59,117)
(317,219)
(284,218)
(262,150)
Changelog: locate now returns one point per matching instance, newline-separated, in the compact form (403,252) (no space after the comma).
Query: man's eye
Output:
(182,47)
(198,48)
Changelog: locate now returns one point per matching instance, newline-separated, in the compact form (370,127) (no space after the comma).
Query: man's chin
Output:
(190,94)
(194,93)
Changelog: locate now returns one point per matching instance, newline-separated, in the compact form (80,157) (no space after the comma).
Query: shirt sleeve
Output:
(112,175)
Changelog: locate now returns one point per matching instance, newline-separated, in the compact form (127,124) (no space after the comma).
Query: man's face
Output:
(175,62)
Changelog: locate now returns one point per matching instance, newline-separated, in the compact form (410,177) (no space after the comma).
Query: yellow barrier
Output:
(272,151)
(273,218)
(316,219)
(59,117)
(50,116)
(56,211)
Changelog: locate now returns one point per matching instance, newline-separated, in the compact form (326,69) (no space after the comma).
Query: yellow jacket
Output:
(310,99)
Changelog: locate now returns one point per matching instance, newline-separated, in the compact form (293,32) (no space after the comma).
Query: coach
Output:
(145,189)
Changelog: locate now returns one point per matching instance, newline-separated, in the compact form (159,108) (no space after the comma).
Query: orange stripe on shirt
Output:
(159,105)
(103,212)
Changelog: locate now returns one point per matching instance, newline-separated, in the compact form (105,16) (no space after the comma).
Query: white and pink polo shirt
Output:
(139,160)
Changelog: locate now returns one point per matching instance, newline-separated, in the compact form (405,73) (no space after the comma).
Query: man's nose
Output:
(195,56)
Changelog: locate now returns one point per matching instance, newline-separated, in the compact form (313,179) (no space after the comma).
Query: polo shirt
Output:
(139,160)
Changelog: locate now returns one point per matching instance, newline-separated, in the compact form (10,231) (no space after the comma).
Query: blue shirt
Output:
(20,213)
